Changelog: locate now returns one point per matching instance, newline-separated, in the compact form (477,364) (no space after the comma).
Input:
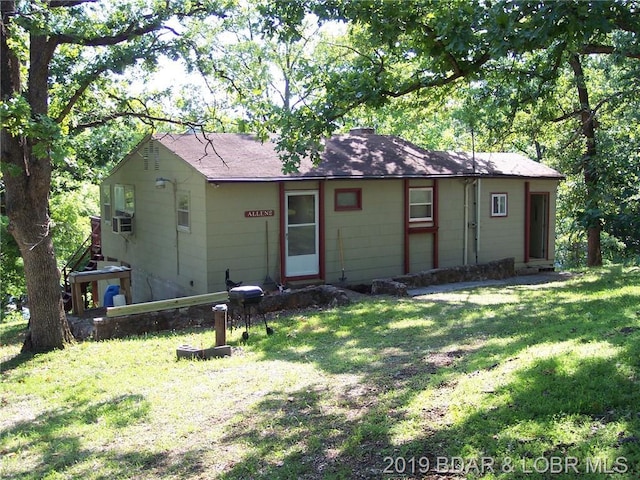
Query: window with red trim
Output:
(421,204)
(348,199)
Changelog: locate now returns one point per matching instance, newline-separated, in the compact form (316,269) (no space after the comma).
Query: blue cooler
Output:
(110,292)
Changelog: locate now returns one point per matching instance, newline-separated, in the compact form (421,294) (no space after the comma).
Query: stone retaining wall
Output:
(104,328)
(399,285)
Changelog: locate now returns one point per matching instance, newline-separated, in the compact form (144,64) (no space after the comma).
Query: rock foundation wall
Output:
(399,285)
(202,316)
(322,296)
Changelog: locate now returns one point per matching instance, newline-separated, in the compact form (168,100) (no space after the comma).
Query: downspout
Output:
(478,188)
(175,213)
(527,221)
(465,233)
(436,247)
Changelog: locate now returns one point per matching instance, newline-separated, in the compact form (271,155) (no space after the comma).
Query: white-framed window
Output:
(498,204)
(421,204)
(106,203)
(183,208)
(124,200)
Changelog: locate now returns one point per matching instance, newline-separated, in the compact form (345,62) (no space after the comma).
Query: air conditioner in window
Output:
(122,224)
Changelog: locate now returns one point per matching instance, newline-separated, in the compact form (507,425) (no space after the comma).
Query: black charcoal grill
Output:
(244,298)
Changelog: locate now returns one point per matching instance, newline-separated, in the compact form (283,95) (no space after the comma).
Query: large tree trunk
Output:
(27,208)
(27,179)
(589,164)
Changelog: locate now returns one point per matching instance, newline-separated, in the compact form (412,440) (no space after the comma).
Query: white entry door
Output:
(302,234)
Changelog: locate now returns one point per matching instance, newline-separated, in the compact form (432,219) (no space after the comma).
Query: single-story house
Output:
(182,209)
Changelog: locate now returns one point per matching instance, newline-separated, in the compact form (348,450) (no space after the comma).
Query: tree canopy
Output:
(414,48)
(60,62)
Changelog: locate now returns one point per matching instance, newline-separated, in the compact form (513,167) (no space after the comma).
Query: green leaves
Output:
(41,131)
(15,115)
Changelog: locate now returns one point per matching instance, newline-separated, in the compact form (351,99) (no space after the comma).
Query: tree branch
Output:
(566,116)
(449,56)
(128,110)
(128,33)
(68,3)
(592,48)
(442,81)
(94,75)
(144,117)
(75,97)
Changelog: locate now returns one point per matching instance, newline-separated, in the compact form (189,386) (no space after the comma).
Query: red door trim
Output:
(283,212)
(408,230)
(321,235)
(405,209)
(527,220)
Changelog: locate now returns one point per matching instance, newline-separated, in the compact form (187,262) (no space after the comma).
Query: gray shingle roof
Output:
(241,157)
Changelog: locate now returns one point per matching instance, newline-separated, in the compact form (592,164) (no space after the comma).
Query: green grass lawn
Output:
(499,382)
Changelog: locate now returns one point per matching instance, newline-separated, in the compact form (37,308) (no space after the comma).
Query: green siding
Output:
(502,237)
(168,263)
(372,238)
(451,221)
(165,263)
(237,242)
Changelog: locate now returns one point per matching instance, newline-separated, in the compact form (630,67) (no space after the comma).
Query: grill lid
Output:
(246,294)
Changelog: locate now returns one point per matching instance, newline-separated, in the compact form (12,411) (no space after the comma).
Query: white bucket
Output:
(119,300)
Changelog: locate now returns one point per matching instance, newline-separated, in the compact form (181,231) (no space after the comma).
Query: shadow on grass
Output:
(405,348)
(537,415)
(56,434)
(15,361)
(13,329)
(386,360)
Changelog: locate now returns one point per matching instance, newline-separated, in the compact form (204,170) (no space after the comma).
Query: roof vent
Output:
(362,131)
